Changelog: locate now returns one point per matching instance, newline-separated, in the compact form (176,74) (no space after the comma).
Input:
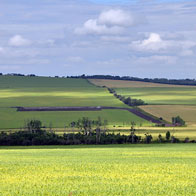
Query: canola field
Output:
(18,91)
(150,170)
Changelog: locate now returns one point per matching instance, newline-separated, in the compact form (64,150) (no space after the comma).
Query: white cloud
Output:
(115,17)
(92,27)
(18,40)
(153,38)
(155,43)
(108,22)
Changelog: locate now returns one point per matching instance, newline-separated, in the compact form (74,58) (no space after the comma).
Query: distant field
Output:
(188,113)
(128,84)
(179,132)
(158,169)
(164,100)
(46,91)
(10,118)
(152,93)
(162,95)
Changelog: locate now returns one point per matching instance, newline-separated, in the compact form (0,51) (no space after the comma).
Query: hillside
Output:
(18,91)
(163,100)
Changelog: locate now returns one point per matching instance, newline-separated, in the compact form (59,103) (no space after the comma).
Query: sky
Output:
(140,38)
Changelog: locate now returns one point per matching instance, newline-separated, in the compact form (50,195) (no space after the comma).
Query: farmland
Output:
(162,95)
(167,169)
(153,93)
(188,113)
(45,91)
(128,84)
(163,100)
(10,118)
(52,92)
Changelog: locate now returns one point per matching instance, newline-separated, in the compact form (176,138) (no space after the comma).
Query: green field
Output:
(163,100)
(166,102)
(162,95)
(150,170)
(187,112)
(46,91)
(178,132)
(10,118)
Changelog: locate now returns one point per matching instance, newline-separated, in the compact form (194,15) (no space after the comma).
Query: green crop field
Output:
(45,91)
(162,95)
(52,92)
(10,118)
(128,84)
(163,100)
(178,132)
(187,112)
(158,169)
(166,102)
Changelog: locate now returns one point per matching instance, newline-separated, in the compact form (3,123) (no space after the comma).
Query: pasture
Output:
(52,92)
(10,118)
(162,95)
(188,113)
(128,84)
(46,91)
(163,100)
(157,169)
(152,93)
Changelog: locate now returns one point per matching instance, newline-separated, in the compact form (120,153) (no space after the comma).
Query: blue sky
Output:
(143,38)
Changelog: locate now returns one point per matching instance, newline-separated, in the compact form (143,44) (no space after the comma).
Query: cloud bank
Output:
(136,38)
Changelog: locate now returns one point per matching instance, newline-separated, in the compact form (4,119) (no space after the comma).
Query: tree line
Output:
(128,101)
(90,132)
(187,81)
(191,82)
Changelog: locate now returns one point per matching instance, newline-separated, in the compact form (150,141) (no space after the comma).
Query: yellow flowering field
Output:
(156,169)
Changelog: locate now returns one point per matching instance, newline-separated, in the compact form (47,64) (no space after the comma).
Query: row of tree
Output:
(17,74)
(129,78)
(128,101)
(88,134)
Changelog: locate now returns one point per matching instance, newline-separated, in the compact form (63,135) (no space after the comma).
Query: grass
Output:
(149,170)
(179,132)
(162,95)
(45,91)
(62,118)
(128,84)
(188,113)
(164,100)
(51,92)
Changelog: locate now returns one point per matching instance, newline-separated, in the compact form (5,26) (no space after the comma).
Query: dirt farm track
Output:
(98,108)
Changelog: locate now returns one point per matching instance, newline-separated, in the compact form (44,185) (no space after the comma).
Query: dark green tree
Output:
(34,126)
(167,135)
(178,120)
